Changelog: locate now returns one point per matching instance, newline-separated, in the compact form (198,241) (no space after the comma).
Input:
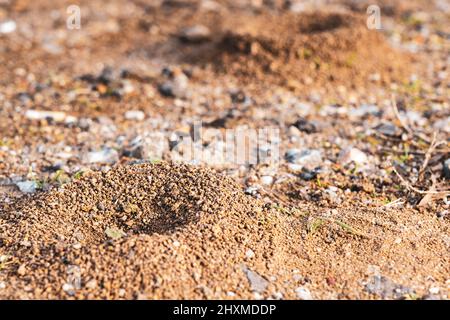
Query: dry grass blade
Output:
(403,123)
(434,144)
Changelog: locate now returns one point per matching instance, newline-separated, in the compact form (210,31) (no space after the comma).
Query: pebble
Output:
(136,115)
(388,129)
(434,290)
(351,154)
(257,283)
(57,116)
(2,285)
(443,124)
(308,175)
(176,87)
(257,296)
(22,270)
(446,168)
(308,158)
(195,34)
(7,26)
(386,288)
(69,289)
(277,295)
(442,214)
(303,293)
(27,186)
(333,196)
(249,254)
(252,190)
(91,284)
(266,180)
(363,110)
(304,125)
(107,155)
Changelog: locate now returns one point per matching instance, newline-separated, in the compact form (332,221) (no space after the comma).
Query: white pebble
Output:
(266,180)
(249,254)
(434,290)
(352,155)
(137,115)
(303,293)
(278,295)
(8,26)
(106,155)
(57,116)
(257,296)
(68,288)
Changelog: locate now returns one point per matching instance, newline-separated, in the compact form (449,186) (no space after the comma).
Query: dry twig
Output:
(412,188)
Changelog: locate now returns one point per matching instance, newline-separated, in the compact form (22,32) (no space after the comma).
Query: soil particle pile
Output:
(312,48)
(144,230)
(176,231)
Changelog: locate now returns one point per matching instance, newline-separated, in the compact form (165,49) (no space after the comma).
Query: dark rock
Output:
(166,89)
(308,174)
(388,129)
(446,169)
(304,125)
(238,96)
(106,76)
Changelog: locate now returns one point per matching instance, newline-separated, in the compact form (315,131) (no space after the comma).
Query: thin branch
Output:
(427,156)
(410,187)
(404,125)
(398,201)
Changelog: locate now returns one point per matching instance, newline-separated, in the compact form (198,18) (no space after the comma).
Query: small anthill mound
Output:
(313,49)
(160,228)
(140,199)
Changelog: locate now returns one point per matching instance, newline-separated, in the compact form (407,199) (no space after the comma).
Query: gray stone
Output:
(308,158)
(27,186)
(447,168)
(363,110)
(351,154)
(195,34)
(388,129)
(106,155)
(386,288)
(303,293)
(257,283)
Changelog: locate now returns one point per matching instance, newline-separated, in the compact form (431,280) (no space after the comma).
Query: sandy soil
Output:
(95,204)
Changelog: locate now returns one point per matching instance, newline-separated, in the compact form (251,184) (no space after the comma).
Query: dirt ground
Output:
(95,202)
